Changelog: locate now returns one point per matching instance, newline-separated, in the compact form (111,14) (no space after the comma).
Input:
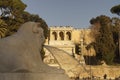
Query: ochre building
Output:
(67,37)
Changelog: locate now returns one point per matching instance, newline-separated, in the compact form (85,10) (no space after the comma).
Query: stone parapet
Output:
(61,43)
(61,28)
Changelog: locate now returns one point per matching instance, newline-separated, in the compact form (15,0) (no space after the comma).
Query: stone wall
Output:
(112,72)
(69,36)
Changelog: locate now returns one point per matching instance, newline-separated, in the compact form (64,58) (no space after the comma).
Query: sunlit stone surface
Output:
(74,69)
(71,66)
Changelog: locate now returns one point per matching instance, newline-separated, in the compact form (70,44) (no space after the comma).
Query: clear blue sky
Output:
(76,13)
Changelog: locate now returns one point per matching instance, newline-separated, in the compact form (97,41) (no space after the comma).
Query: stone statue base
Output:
(33,76)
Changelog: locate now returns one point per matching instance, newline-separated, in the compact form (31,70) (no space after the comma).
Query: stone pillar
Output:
(71,34)
(65,36)
(58,36)
(51,36)
(73,49)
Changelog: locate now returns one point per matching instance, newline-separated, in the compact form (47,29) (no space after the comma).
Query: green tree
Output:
(104,44)
(115,29)
(3,29)
(11,8)
(13,14)
(115,9)
(11,11)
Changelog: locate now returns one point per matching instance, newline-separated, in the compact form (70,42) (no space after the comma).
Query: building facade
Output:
(67,38)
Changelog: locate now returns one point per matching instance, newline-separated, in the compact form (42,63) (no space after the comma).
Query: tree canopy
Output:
(115,9)
(104,42)
(116,31)
(12,8)
(13,15)
(105,31)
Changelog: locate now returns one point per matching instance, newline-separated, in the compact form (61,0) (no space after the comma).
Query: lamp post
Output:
(119,41)
(90,65)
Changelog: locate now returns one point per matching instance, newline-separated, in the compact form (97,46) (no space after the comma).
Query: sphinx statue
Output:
(20,53)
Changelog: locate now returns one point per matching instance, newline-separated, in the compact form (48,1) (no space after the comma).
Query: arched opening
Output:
(68,36)
(54,35)
(61,34)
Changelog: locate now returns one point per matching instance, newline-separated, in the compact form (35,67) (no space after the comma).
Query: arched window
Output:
(61,34)
(68,36)
(54,35)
